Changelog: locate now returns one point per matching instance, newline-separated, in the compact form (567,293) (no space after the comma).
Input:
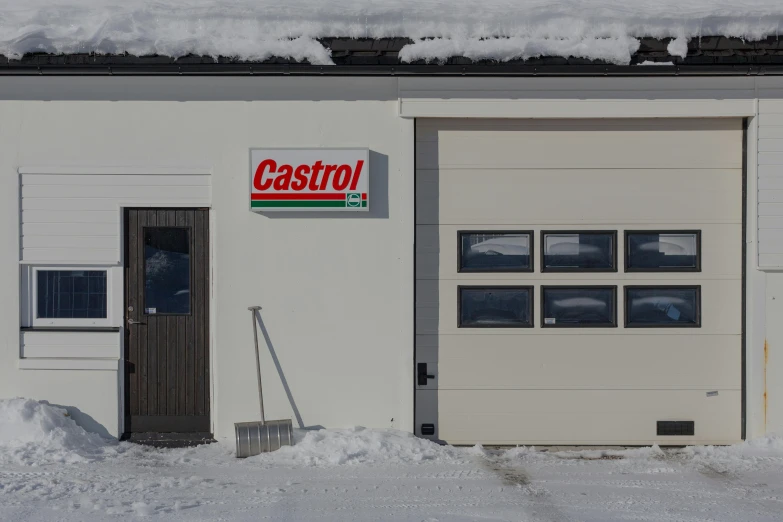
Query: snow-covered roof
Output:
(257,30)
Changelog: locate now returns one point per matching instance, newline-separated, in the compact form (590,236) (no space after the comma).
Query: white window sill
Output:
(69,364)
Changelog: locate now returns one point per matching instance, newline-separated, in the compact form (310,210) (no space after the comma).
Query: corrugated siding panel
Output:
(77,217)
(770,184)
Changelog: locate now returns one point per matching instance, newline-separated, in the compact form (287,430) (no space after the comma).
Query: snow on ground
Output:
(52,470)
(491,29)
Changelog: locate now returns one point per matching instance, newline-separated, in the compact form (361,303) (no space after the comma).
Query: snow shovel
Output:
(254,438)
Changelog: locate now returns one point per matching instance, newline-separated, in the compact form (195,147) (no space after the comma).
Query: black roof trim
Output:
(380,57)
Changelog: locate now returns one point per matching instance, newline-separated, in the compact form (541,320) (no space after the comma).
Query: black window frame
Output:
(613,288)
(189,229)
(461,269)
(627,254)
(627,306)
(545,269)
(531,293)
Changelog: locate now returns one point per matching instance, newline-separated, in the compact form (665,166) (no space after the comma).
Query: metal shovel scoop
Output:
(264,436)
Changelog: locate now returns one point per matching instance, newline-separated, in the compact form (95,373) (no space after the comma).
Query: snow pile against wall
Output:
(360,446)
(492,29)
(753,454)
(34,433)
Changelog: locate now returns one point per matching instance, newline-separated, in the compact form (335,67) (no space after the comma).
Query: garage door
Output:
(579,281)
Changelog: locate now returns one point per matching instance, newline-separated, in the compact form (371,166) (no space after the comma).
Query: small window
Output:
(71,294)
(654,251)
(495,251)
(583,306)
(166,270)
(662,306)
(589,251)
(495,306)
(66,297)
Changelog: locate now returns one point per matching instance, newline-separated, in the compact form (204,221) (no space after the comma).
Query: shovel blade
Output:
(254,438)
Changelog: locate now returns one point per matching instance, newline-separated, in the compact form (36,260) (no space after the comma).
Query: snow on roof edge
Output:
(257,30)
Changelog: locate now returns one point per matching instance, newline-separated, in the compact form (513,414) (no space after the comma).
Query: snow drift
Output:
(361,446)
(33,433)
(492,29)
(36,433)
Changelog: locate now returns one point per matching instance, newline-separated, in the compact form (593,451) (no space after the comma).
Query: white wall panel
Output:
(71,217)
(770,184)
(94,345)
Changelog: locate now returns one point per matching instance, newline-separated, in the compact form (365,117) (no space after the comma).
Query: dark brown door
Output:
(167,321)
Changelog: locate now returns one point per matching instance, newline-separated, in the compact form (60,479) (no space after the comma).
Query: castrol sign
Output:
(309,179)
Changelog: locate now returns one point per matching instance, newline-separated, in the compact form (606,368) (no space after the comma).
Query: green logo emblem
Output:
(353,199)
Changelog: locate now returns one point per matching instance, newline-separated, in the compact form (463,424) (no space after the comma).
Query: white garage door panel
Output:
(583,416)
(436,253)
(607,144)
(428,129)
(707,362)
(579,385)
(513,197)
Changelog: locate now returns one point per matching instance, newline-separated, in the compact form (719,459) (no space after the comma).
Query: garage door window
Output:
(495,307)
(493,251)
(566,251)
(662,306)
(654,251)
(584,306)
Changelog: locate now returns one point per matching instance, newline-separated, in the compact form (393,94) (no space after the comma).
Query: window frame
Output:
(462,269)
(189,230)
(86,322)
(612,232)
(529,288)
(627,255)
(613,288)
(627,306)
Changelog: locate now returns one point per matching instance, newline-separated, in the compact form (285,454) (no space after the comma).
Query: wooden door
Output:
(167,321)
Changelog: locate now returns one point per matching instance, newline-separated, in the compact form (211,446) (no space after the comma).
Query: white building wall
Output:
(769,139)
(336,289)
(343,335)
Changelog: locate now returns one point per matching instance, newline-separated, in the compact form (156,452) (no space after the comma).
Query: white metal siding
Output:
(770,184)
(76,218)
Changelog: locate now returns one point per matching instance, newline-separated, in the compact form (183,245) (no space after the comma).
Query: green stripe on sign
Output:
(298,204)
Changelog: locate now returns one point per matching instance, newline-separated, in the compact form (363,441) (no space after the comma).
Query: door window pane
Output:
(166,270)
(71,294)
(578,251)
(495,252)
(587,306)
(652,251)
(499,307)
(662,306)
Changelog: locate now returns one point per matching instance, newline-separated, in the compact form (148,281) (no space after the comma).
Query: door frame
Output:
(122,419)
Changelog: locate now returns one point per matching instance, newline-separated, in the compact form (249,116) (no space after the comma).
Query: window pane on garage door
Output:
(495,307)
(584,306)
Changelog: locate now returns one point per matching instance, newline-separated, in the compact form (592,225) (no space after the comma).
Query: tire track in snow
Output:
(539,502)
(753,495)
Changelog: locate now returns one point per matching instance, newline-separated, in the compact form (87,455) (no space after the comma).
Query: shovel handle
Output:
(254,310)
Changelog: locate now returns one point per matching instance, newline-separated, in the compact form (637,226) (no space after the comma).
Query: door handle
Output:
(131,322)
(422,376)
